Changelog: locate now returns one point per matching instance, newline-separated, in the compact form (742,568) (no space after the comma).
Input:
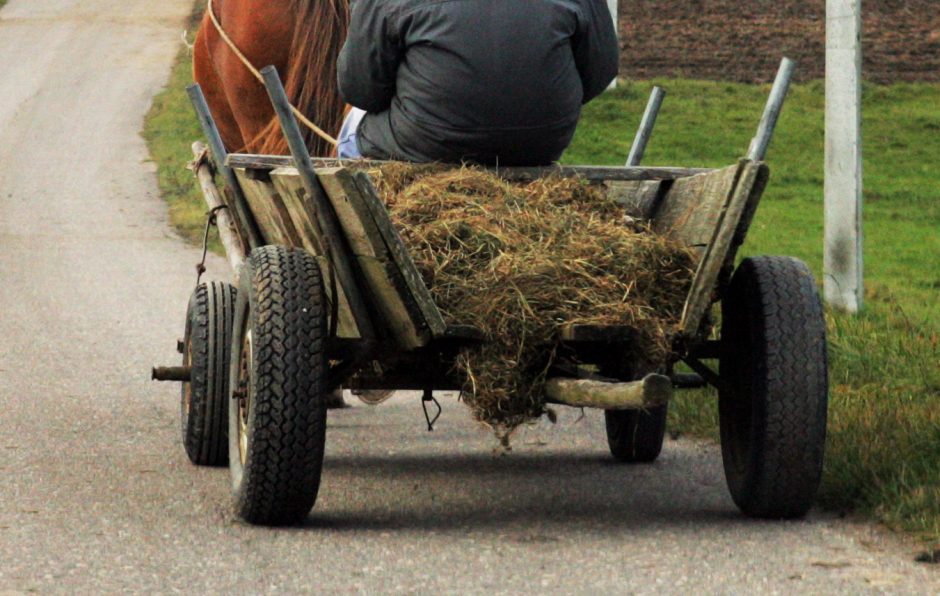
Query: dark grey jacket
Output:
(478,80)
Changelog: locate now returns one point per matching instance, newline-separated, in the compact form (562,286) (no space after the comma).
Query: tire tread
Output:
(776,356)
(208,332)
(281,476)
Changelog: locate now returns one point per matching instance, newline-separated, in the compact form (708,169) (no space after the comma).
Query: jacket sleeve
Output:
(596,49)
(368,63)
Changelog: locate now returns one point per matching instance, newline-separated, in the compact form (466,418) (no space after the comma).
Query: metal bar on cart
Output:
(326,218)
(219,155)
(647,124)
(765,132)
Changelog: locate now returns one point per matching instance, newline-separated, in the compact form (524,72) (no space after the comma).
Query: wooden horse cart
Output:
(327,296)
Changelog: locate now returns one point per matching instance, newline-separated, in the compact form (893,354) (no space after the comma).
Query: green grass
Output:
(170,129)
(883,454)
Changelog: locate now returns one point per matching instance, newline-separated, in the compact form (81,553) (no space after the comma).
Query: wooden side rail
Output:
(592,173)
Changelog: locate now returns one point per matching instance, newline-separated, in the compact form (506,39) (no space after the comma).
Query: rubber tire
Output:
(773,403)
(206,342)
(636,436)
(281,299)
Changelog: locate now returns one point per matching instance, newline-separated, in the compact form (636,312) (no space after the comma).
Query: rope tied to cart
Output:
(210,221)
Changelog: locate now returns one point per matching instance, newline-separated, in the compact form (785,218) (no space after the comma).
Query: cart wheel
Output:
(636,436)
(206,346)
(774,397)
(277,414)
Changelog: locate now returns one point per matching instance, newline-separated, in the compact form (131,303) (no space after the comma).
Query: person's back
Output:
(477,80)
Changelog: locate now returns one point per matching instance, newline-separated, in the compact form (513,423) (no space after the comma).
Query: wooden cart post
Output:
(645,131)
(765,132)
(326,218)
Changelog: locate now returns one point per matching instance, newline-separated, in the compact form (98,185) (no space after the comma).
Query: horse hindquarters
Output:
(204,73)
(302,39)
(262,31)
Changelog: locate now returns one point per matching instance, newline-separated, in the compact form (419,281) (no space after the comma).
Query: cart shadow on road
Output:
(478,491)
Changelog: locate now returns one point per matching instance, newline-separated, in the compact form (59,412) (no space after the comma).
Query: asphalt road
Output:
(97,495)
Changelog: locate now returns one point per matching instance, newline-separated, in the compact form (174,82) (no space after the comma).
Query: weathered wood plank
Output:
(361,232)
(600,173)
(757,191)
(260,198)
(721,245)
(653,390)
(387,299)
(283,222)
(391,292)
(346,323)
(399,254)
(282,214)
(293,194)
(591,173)
(692,209)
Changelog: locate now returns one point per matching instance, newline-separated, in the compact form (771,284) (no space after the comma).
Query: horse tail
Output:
(311,85)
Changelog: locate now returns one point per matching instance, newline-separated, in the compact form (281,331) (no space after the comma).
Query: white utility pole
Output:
(843,283)
(613,5)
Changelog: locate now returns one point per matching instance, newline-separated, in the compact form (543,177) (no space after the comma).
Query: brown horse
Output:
(302,39)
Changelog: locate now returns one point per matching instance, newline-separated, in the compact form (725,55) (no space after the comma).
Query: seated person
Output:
(495,82)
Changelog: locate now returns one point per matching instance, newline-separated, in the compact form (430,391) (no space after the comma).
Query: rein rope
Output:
(254,71)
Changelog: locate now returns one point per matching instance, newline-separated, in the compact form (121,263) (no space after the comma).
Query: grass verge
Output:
(170,128)
(883,454)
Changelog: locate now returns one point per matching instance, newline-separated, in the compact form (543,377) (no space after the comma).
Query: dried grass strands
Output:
(520,260)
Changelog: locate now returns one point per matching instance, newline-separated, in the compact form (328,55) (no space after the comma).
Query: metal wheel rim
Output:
(246,360)
(188,387)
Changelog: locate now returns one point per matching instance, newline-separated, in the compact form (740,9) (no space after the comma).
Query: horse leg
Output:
(204,73)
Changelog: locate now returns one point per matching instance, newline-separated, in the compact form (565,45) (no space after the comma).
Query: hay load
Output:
(521,260)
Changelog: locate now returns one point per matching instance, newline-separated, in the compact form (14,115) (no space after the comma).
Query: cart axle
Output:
(180,374)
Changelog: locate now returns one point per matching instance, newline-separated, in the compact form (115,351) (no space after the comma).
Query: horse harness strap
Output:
(257,74)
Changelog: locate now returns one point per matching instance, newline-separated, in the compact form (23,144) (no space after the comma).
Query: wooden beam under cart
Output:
(649,392)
